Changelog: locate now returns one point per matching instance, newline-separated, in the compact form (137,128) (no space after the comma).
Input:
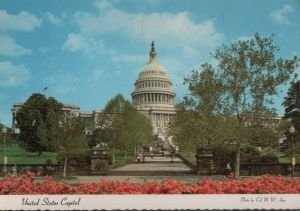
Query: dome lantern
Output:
(152,53)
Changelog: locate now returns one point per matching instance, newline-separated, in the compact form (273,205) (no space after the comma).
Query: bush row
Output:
(25,184)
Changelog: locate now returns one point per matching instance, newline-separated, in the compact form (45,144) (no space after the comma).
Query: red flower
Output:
(25,184)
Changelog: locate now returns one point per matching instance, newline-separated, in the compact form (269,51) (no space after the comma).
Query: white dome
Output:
(153,69)
(153,79)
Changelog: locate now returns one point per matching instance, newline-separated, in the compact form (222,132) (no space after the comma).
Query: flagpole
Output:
(45,91)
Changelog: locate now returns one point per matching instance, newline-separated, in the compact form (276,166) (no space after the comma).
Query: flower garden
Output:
(266,184)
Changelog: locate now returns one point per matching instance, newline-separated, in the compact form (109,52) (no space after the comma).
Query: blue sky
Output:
(86,52)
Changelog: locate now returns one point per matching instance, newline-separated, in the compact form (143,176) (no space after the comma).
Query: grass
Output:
(17,155)
(191,157)
(120,157)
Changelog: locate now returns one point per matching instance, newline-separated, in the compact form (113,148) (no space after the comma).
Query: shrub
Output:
(25,184)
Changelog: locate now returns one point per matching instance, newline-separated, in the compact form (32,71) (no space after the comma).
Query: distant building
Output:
(153,95)
(90,118)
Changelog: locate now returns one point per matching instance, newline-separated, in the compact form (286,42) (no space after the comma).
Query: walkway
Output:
(191,178)
(153,167)
(157,169)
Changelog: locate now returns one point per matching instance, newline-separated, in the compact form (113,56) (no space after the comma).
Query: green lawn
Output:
(17,155)
(121,157)
(191,157)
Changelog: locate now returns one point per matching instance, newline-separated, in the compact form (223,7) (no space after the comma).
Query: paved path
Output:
(157,164)
(140,179)
(157,169)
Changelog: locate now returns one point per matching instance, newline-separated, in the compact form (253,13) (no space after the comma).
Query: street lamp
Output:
(4,131)
(292,131)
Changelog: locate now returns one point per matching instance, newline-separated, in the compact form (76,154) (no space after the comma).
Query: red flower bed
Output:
(266,184)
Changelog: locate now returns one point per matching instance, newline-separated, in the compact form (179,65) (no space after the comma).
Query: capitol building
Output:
(153,96)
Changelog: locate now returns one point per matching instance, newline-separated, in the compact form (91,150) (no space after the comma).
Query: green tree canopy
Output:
(70,140)
(240,88)
(121,125)
(292,115)
(38,120)
(292,104)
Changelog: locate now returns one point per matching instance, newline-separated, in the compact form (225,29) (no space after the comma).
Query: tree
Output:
(292,104)
(191,128)
(71,141)
(121,125)
(240,88)
(292,113)
(38,123)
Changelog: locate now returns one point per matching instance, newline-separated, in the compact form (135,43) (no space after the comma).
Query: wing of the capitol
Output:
(153,96)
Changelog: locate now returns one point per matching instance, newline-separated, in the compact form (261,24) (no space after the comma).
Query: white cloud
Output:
(280,15)
(13,75)
(167,29)
(87,44)
(54,19)
(75,42)
(102,5)
(190,52)
(172,30)
(9,47)
(23,21)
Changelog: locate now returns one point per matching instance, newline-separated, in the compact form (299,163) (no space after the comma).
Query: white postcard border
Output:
(148,202)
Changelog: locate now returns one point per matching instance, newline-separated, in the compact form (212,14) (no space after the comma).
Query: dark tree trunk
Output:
(237,161)
(65,167)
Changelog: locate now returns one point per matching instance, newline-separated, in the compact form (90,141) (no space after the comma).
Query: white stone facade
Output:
(153,95)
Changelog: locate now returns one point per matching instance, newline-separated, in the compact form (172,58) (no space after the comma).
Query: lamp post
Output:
(292,131)
(4,131)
